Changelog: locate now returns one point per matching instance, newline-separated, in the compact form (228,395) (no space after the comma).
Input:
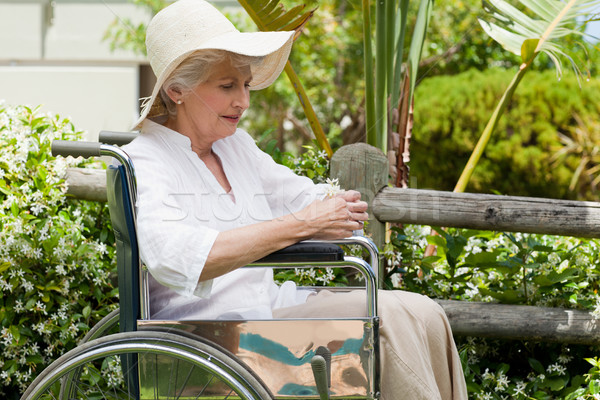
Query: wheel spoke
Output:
(204,388)
(112,367)
(187,378)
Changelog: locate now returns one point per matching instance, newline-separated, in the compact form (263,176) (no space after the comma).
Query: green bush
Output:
(539,270)
(451,112)
(55,268)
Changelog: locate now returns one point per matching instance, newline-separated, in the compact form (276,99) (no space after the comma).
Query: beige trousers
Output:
(419,360)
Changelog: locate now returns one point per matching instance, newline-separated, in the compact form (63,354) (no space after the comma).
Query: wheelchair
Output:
(129,355)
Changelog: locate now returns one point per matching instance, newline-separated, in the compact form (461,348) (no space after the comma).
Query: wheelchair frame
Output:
(238,353)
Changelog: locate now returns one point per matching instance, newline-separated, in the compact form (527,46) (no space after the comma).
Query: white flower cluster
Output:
(44,246)
(333,187)
(312,163)
(496,384)
(314,276)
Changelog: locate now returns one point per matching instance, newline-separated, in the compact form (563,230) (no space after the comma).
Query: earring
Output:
(179,102)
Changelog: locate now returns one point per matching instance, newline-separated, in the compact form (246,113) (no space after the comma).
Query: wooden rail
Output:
(517,322)
(488,212)
(365,168)
(86,183)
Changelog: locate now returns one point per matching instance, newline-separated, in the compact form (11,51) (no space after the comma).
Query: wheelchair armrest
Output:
(323,252)
(305,252)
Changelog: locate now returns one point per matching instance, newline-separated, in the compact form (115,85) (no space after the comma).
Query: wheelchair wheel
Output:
(108,324)
(146,365)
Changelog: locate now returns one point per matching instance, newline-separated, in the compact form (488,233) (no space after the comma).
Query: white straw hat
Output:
(187,26)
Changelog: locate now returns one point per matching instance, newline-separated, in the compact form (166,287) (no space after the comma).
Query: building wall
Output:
(52,54)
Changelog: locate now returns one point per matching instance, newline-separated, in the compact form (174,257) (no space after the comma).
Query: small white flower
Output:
(6,286)
(553,259)
(41,307)
(37,208)
(333,189)
(519,389)
(101,248)
(501,383)
(561,370)
(564,359)
(487,375)
(396,280)
(26,285)
(595,313)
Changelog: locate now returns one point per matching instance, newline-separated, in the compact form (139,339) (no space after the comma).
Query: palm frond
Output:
(270,15)
(545,20)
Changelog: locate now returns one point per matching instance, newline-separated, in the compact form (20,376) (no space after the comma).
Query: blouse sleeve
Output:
(285,191)
(173,245)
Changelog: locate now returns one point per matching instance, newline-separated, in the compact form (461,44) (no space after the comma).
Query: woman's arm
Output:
(323,219)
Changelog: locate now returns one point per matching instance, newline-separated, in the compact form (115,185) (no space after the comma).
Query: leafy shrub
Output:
(517,268)
(541,270)
(55,268)
(451,112)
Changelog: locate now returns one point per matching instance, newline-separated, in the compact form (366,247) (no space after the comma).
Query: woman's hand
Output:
(336,217)
(357,208)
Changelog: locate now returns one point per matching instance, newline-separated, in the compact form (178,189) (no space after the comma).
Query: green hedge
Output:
(56,255)
(451,112)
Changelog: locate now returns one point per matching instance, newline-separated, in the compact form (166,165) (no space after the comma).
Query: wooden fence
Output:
(365,168)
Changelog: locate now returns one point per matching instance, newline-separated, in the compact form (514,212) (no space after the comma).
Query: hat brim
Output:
(274,47)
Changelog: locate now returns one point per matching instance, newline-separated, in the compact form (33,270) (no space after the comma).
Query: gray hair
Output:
(195,70)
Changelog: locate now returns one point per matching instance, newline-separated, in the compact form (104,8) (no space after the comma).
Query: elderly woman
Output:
(210,201)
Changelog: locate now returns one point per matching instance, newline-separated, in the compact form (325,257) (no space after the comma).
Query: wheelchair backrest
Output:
(122,216)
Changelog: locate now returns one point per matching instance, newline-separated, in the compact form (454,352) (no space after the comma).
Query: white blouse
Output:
(181,208)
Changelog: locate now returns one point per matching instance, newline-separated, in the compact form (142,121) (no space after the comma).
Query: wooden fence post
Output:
(86,183)
(364,168)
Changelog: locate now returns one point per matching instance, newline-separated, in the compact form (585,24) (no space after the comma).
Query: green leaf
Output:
(538,27)
(508,296)
(14,331)
(430,259)
(483,259)
(30,303)
(536,366)
(14,209)
(93,375)
(456,245)
(594,361)
(507,39)
(436,240)
(554,277)
(528,50)
(4,266)
(272,16)
(35,359)
(555,383)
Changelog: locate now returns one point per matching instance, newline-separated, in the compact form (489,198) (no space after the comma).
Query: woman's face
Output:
(212,110)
